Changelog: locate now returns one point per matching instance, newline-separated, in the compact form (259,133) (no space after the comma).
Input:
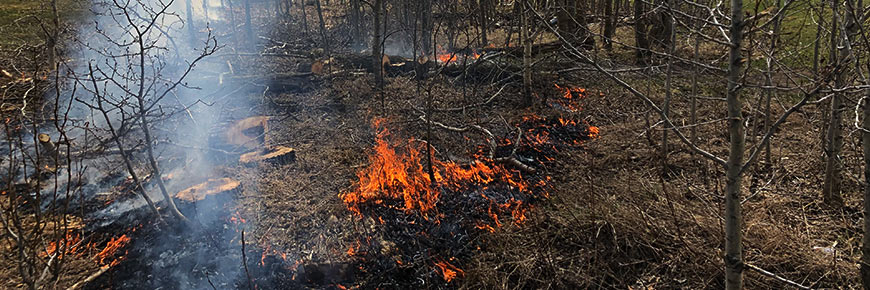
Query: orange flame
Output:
(569,97)
(448,57)
(593,132)
(69,245)
(449,271)
(109,251)
(399,175)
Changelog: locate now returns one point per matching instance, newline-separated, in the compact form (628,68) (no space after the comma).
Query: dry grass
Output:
(615,223)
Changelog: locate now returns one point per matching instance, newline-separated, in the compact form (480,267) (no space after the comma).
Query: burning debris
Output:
(449,271)
(567,98)
(397,178)
(448,58)
(427,219)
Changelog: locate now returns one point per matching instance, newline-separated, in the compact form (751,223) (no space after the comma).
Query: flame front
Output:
(109,251)
(396,188)
(399,175)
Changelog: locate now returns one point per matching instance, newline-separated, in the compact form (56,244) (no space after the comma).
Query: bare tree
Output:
(138,57)
(737,162)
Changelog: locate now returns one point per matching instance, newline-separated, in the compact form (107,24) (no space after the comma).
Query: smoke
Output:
(106,62)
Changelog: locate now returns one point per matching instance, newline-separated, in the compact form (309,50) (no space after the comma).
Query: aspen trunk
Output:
(248,29)
(733,175)
(526,38)
(322,27)
(833,166)
(377,58)
(640,33)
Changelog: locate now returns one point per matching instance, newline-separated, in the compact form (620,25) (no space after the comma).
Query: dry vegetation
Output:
(617,216)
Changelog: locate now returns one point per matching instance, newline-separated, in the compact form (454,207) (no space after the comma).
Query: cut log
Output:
(274,155)
(211,187)
(249,133)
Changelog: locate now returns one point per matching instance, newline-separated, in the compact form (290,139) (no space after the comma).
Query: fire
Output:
(568,98)
(237,218)
(352,251)
(448,57)
(265,253)
(70,245)
(457,200)
(449,271)
(109,251)
(593,132)
(399,174)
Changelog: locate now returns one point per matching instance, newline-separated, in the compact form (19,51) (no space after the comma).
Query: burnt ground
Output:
(611,219)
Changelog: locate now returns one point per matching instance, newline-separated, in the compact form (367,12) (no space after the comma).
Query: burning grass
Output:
(400,175)
(443,215)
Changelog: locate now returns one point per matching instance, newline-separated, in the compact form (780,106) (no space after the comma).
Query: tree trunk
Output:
(666,105)
(190,29)
(640,34)
(248,29)
(124,156)
(302,5)
(483,7)
(51,43)
(377,56)
(356,23)
(823,132)
(609,24)
(833,166)
(149,145)
(865,241)
(769,81)
(693,109)
(733,175)
(322,27)
(526,38)
(427,46)
(850,32)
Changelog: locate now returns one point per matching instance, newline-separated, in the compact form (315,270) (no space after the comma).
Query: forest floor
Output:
(617,216)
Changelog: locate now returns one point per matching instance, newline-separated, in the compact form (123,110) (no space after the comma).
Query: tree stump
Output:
(273,155)
(211,187)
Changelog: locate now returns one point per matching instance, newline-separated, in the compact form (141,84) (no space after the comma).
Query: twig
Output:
(463,108)
(90,278)
(209,280)
(245,263)
(775,276)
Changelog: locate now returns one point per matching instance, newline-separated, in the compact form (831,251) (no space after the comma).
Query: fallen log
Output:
(517,51)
